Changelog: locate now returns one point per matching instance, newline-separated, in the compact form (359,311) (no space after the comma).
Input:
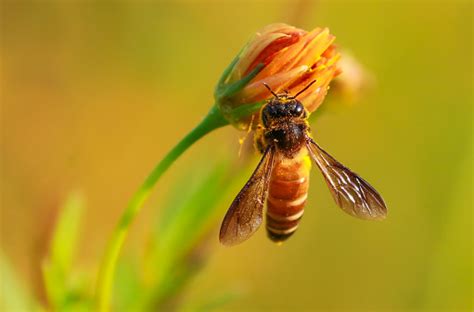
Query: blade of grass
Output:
(57,266)
(13,295)
(129,287)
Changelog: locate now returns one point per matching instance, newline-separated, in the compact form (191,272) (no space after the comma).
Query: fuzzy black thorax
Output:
(285,125)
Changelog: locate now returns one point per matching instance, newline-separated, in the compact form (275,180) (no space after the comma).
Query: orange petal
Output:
(290,56)
(255,91)
(316,48)
(268,54)
(313,98)
(251,52)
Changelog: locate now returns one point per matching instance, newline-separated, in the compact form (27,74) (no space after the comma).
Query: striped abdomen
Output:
(287,194)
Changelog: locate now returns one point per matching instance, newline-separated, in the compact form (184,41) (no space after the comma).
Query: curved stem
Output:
(212,121)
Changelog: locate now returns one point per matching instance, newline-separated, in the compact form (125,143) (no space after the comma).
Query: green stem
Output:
(212,121)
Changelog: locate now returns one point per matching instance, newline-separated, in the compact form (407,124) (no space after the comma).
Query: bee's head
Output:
(283,106)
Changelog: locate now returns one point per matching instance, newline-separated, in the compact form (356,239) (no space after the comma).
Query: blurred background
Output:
(93,94)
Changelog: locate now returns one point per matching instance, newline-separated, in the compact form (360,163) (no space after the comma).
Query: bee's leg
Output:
(242,139)
(259,139)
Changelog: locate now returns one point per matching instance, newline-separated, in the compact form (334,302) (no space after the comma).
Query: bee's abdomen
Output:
(287,195)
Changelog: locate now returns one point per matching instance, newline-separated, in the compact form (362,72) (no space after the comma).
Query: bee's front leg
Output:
(259,139)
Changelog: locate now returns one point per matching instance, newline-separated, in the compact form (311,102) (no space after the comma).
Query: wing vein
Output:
(350,192)
(245,213)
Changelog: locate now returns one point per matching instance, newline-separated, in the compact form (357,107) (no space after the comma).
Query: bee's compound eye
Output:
(272,111)
(299,109)
(267,114)
(264,118)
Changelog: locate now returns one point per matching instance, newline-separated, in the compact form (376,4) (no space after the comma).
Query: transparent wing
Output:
(352,193)
(245,214)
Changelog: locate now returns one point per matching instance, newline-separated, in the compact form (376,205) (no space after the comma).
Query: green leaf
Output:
(246,110)
(67,231)
(13,295)
(231,89)
(57,265)
(128,289)
(226,74)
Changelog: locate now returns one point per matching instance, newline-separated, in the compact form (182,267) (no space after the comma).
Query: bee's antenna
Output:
(305,88)
(270,89)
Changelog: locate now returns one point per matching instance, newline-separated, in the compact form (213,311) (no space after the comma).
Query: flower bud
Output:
(284,57)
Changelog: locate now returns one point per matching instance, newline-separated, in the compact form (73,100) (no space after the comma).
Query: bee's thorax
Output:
(289,137)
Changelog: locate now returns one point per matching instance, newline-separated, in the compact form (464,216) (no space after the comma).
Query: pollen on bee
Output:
(241,143)
(307,162)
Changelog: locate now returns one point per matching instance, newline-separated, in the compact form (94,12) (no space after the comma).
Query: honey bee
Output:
(282,177)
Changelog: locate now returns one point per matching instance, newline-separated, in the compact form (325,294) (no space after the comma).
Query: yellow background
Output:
(94,94)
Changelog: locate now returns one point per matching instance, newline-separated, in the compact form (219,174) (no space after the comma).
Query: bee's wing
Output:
(245,214)
(352,193)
